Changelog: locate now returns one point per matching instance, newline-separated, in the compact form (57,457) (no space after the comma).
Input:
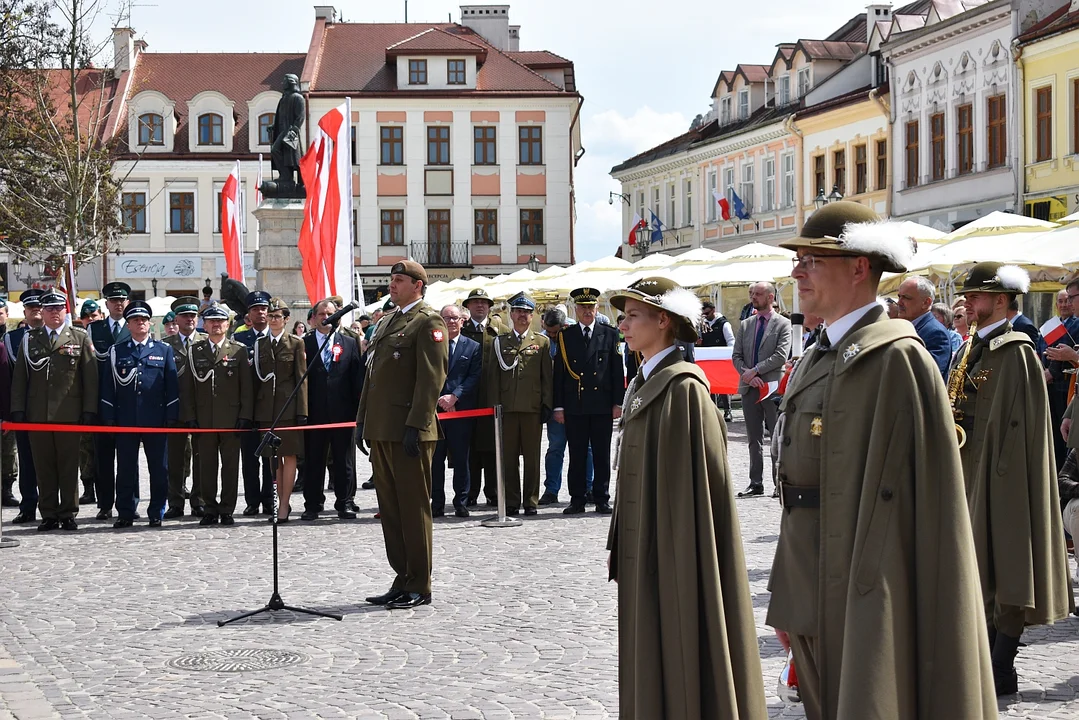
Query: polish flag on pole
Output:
(231,237)
(1053,330)
(326,234)
(718,367)
(638,224)
(724,206)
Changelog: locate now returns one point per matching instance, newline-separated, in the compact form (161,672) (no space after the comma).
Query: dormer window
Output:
(151,129)
(803,82)
(266,129)
(725,109)
(743,104)
(211,129)
(784,91)
(455,72)
(417,72)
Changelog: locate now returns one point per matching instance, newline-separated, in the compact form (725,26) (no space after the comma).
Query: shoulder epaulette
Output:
(1008,337)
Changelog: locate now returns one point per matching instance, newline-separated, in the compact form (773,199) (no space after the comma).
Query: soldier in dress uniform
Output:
(589,384)
(32,315)
(104,334)
(9,468)
(481,460)
(521,380)
(280,362)
(216,392)
(182,447)
(168,325)
(874,577)
(56,382)
(407,366)
(140,390)
(1003,408)
(88,313)
(258,477)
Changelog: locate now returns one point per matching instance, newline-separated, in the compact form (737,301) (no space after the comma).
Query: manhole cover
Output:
(237,660)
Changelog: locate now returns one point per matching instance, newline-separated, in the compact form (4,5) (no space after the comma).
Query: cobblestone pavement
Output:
(522,626)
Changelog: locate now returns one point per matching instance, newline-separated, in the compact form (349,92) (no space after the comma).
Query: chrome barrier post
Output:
(6,542)
(501,520)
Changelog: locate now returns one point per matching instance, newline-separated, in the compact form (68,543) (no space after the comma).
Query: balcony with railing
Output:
(441,254)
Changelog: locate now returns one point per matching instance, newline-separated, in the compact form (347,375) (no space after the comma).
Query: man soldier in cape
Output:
(1002,405)
(875,575)
(479,326)
(183,447)
(104,334)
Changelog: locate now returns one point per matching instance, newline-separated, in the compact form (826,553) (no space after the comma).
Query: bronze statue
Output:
(287,147)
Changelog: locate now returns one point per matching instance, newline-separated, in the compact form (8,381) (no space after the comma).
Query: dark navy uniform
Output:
(104,334)
(28,494)
(255,493)
(139,388)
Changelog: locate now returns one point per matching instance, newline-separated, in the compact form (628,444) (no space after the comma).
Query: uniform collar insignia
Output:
(635,404)
(852,350)
(996,342)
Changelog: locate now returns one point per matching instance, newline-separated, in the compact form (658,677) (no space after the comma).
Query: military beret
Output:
(994,277)
(478,294)
(185,305)
(521,301)
(667,295)
(51,298)
(138,308)
(88,307)
(116,291)
(170,317)
(585,296)
(31,297)
(215,311)
(853,229)
(389,306)
(256,298)
(411,268)
(278,304)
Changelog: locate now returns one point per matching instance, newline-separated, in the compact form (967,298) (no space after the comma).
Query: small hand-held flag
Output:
(231,236)
(1053,330)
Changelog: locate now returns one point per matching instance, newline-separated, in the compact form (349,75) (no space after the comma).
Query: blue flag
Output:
(738,206)
(657,228)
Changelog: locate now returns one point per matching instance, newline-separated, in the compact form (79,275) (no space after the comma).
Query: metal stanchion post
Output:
(501,520)
(9,542)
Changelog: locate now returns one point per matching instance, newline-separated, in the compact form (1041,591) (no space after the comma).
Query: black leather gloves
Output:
(193,424)
(18,416)
(243,424)
(545,414)
(301,419)
(359,439)
(89,418)
(412,442)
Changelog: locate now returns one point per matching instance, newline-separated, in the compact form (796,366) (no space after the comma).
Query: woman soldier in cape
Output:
(687,641)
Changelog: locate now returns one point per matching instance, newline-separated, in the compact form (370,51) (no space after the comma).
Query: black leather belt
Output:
(795,496)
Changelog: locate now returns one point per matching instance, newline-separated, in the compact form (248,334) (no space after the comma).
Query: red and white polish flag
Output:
(231,237)
(1053,330)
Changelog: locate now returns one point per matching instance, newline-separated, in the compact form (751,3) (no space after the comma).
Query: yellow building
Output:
(1048,67)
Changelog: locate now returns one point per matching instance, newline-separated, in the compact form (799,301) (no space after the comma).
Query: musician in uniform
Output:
(479,326)
(56,382)
(406,371)
(589,384)
(217,392)
(28,494)
(88,313)
(140,390)
(280,362)
(874,577)
(104,334)
(183,456)
(1002,406)
(256,471)
(522,381)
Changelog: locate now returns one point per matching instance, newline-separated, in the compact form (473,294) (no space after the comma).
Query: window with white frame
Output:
(747,186)
(672,219)
(803,82)
(768,199)
(743,104)
(783,92)
(725,109)
(728,184)
(687,213)
(655,201)
(788,180)
(713,180)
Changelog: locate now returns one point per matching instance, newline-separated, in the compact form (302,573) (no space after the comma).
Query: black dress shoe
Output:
(471,503)
(727,417)
(548,499)
(531,511)
(173,513)
(588,499)
(512,511)
(775,493)
(103,514)
(461,512)
(87,498)
(351,506)
(573,509)
(751,492)
(384,597)
(298,487)
(368,485)
(439,512)
(346,515)
(48,524)
(227,520)
(198,511)
(409,600)
(69,524)
(121,523)
(603,509)
(208,519)
(309,515)
(251,510)
(22,518)
(154,522)
(136,515)
(10,501)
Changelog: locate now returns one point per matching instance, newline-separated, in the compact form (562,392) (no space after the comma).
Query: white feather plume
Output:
(1014,278)
(684,303)
(885,237)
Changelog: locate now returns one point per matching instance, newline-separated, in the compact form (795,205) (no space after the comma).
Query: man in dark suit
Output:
(104,334)
(458,393)
(333,396)
(589,384)
(31,308)
(256,491)
(916,297)
(1056,362)
(1021,323)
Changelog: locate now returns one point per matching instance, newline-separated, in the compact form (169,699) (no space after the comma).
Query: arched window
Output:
(151,129)
(211,129)
(266,129)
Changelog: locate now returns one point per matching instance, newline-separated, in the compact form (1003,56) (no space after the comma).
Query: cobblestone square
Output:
(522,624)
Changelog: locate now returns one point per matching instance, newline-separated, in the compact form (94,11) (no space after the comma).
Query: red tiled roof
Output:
(726,76)
(95,92)
(538,58)
(353,60)
(754,73)
(435,41)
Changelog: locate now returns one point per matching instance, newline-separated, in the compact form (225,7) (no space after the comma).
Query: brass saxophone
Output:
(955,387)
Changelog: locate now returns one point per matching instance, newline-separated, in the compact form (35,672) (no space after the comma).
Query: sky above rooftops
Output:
(644,74)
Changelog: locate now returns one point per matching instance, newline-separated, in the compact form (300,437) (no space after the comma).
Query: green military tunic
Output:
(56,382)
(279,367)
(878,585)
(1072,413)
(687,642)
(521,380)
(407,362)
(482,457)
(183,448)
(216,392)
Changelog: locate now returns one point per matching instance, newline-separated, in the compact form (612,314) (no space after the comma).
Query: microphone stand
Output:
(271,440)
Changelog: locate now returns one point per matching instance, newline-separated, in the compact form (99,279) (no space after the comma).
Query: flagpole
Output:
(348,195)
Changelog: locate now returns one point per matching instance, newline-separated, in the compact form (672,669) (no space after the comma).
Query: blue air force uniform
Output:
(139,388)
(104,334)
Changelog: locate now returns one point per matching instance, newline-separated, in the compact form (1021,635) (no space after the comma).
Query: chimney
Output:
(123,49)
(490,21)
(515,37)
(875,14)
(325,12)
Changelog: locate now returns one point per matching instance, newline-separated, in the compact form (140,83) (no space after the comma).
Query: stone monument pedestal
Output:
(278,258)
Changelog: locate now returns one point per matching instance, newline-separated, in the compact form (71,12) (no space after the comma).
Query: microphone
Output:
(797,321)
(332,319)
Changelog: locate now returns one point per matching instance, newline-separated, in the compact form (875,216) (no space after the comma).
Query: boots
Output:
(7,498)
(1005,648)
(87,497)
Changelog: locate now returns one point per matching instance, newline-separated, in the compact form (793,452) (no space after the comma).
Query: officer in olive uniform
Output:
(182,448)
(217,392)
(87,456)
(257,474)
(140,390)
(522,381)
(407,364)
(31,307)
(104,334)
(56,382)
(481,460)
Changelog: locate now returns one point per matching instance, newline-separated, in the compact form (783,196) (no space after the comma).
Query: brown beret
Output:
(411,268)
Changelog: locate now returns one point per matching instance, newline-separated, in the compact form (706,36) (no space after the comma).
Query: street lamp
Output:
(533,263)
(153,282)
(835,195)
(31,271)
(820,201)
(644,238)
(621,196)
